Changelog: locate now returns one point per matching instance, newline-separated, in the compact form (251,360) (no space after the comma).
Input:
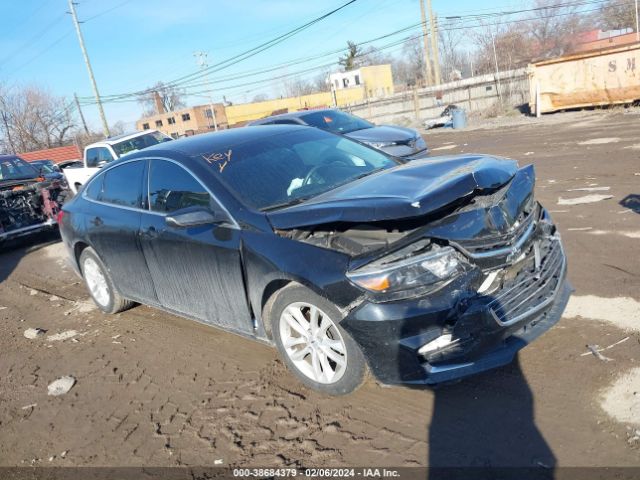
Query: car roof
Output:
(118,138)
(218,141)
(297,114)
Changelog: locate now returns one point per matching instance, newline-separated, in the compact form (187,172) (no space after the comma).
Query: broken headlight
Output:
(393,274)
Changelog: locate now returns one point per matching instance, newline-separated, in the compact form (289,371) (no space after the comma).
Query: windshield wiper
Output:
(285,204)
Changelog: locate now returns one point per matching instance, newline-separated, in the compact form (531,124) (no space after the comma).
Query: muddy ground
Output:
(154,389)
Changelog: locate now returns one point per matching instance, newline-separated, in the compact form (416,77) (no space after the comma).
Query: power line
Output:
(245,55)
(121,98)
(188,80)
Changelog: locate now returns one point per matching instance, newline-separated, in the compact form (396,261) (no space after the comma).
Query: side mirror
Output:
(193,218)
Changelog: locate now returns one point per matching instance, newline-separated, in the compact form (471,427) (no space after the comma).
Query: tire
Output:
(102,290)
(304,346)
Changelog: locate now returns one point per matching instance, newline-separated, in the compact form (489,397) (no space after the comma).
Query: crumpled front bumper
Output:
(489,328)
(31,229)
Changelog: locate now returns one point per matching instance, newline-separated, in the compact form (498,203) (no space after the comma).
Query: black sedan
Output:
(344,258)
(398,141)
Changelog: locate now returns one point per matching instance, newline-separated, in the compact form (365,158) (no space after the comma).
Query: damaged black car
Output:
(346,259)
(29,202)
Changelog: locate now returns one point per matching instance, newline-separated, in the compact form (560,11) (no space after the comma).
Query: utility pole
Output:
(428,79)
(8,130)
(495,59)
(84,123)
(637,30)
(202,61)
(105,125)
(434,44)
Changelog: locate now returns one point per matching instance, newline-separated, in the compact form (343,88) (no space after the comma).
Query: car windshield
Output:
(44,167)
(16,169)
(292,167)
(335,121)
(138,143)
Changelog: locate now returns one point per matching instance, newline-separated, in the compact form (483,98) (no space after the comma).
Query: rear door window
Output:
(172,188)
(122,185)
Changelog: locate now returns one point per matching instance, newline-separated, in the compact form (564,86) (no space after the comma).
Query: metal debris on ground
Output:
(606,348)
(32,333)
(589,189)
(33,292)
(54,298)
(27,407)
(3,308)
(61,386)
(586,199)
(62,336)
(596,353)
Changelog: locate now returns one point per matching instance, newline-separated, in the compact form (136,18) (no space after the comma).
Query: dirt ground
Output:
(156,390)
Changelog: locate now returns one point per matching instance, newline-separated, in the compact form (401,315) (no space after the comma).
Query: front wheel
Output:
(99,283)
(314,346)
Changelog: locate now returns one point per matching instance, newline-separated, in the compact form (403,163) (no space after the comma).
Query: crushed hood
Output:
(410,190)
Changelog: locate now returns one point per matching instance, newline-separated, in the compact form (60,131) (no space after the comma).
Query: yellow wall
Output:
(378,80)
(245,112)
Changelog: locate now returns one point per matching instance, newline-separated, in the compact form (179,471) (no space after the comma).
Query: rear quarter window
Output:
(122,185)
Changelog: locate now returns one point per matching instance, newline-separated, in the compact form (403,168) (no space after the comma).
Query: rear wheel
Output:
(100,285)
(314,346)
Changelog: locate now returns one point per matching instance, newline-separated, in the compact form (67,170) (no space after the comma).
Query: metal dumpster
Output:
(600,77)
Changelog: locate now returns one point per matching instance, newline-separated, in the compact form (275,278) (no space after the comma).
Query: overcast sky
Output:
(135,43)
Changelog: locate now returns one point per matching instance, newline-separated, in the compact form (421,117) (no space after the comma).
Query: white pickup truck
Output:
(100,153)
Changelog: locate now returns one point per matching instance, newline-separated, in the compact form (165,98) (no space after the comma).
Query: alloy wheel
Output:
(96,282)
(313,342)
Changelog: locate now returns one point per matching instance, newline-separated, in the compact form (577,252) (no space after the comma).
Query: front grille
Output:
(530,290)
(495,242)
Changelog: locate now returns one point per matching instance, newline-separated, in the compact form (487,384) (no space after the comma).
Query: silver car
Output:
(397,141)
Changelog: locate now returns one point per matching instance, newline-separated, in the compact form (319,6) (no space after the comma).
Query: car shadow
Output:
(485,425)
(632,202)
(12,251)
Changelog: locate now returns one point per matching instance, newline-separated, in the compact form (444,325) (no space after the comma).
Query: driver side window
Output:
(172,188)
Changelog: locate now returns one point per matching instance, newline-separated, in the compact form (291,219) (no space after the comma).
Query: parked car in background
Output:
(100,153)
(398,141)
(28,202)
(71,164)
(48,169)
(422,272)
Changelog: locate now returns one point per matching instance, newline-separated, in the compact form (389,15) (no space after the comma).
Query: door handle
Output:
(150,232)
(97,221)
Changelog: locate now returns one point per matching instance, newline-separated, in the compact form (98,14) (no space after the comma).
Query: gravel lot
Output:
(153,389)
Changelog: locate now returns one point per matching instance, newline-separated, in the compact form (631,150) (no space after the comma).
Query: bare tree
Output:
(408,68)
(372,56)
(321,81)
(617,14)
(171,97)
(451,58)
(553,27)
(295,87)
(32,119)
